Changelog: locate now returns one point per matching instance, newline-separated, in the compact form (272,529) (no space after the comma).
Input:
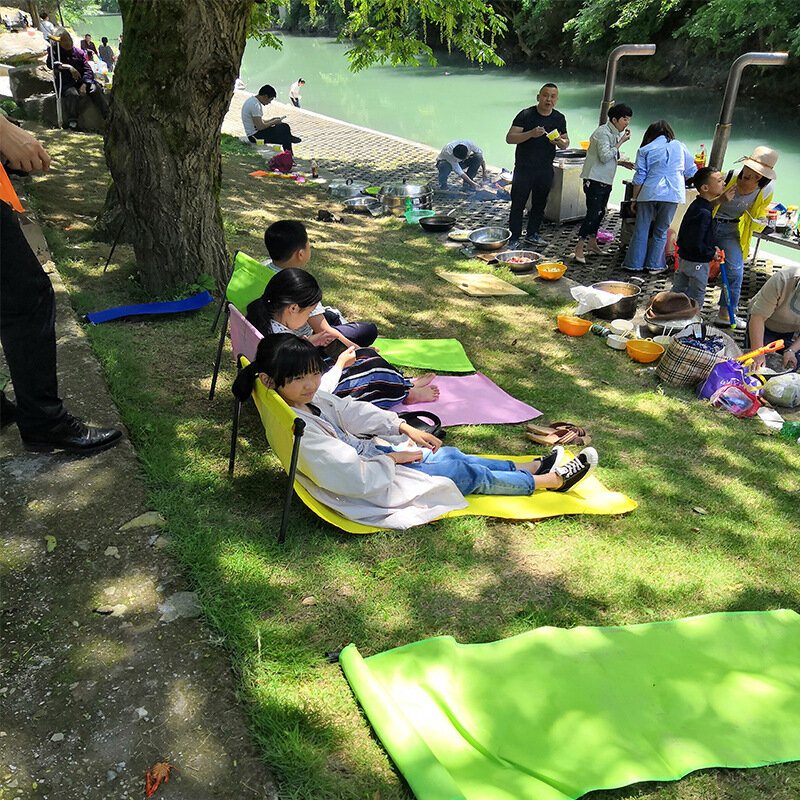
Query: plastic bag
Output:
(783,390)
(727,372)
(736,400)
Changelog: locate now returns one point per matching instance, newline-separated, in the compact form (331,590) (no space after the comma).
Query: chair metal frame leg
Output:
(114,245)
(237,411)
(223,300)
(218,359)
(297,429)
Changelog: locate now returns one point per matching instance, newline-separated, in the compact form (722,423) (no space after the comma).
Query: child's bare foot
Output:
(423,380)
(422,394)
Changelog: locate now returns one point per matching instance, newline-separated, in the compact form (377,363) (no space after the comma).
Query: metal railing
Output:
(611,72)
(722,132)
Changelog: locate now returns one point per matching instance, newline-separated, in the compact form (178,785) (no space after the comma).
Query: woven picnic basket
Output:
(685,364)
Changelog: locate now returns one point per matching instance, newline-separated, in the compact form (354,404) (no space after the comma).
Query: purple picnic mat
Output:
(473,400)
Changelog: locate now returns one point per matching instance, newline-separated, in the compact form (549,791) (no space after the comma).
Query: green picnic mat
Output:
(552,714)
(442,355)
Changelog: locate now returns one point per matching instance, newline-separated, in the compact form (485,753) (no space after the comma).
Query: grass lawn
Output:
(473,578)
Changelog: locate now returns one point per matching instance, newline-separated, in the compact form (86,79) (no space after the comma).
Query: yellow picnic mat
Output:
(478,284)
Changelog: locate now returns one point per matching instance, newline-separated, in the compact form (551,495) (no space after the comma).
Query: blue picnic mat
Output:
(192,303)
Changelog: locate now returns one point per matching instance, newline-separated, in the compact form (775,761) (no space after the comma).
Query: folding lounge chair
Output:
(284,430)
(244,342)
(248,280)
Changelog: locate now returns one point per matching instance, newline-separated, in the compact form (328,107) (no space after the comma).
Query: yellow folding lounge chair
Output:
(284,429)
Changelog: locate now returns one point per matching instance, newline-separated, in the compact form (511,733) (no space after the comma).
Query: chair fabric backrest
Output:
(278,421)
(244,337)
(248,281)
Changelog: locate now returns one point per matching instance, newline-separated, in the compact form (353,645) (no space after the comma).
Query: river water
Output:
(456,100)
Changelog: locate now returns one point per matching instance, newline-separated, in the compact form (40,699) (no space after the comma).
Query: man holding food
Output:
(537,132)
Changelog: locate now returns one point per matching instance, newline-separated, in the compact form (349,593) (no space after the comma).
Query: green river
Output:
(456,100)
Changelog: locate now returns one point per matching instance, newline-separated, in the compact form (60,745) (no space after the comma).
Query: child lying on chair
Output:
(408,482)
(362,374)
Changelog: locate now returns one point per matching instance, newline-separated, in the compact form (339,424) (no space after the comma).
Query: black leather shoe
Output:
(72,436)
(296,140)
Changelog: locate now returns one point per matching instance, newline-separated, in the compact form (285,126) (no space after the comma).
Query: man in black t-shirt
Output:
(536,131)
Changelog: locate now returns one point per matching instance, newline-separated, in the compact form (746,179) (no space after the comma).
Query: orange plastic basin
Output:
(573,326)
(551,270)
(644,351)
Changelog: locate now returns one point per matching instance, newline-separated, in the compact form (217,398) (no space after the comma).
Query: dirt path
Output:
(97,683)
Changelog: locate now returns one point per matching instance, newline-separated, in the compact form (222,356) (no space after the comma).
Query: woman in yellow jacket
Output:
(741,212)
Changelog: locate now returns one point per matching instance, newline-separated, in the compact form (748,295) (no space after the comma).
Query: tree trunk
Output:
(172,86)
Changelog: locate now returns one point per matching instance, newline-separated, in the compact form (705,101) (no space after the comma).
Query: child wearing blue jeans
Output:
(339,452)
(696,237)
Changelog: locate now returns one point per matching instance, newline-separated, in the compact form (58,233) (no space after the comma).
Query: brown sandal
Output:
(558,433)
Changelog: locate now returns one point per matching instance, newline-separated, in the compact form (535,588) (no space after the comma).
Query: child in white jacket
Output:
(406,477)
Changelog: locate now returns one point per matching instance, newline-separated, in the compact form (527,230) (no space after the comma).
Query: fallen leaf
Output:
(309,601)
(50,542)
(111,551)
(146,520)
(699,510)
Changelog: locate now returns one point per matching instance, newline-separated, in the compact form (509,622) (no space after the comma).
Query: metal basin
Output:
(520,260)
(625,307)
(364,205)
(490,238)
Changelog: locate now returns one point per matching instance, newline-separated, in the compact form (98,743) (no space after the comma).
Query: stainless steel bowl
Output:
(530,258)
(364,205)
(490,238)
(668,327)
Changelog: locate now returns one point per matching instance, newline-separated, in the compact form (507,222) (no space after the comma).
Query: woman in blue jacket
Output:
(662,166)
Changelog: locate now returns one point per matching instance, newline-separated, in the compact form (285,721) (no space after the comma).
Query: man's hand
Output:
(729,195)
(626,135)
(74,72)
(623,162)
(21,150)
(789,359)
(538,131)
(82,90)
(406,456)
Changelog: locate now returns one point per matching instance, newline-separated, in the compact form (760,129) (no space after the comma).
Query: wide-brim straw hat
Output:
(762,160)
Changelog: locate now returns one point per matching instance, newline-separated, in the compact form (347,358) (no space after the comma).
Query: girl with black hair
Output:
(408,482)
(360,373)
(662,166)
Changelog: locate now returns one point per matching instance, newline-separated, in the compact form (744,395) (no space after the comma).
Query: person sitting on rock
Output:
(74,79)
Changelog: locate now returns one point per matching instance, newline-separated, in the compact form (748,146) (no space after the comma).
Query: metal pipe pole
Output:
(611,72)
(722,132)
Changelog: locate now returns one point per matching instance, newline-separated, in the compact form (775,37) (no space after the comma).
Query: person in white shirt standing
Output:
(294,92)
(45,26)
(455,157)
(273,130)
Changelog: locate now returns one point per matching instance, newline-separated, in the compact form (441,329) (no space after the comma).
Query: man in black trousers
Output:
(27,323)
(536,131)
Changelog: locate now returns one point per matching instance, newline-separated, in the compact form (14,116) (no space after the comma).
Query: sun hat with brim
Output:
(671,305)
(762,160)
